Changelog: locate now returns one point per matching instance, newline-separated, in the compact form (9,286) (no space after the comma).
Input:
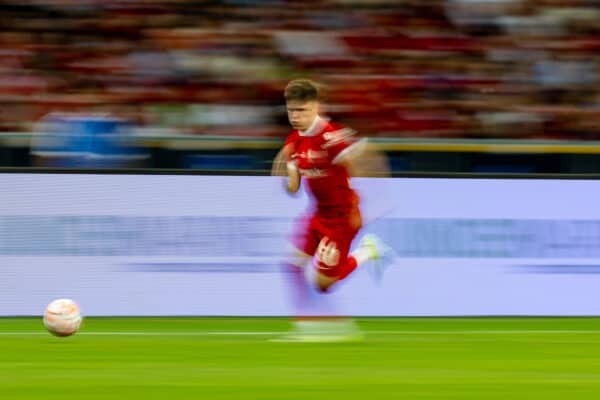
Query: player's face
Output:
(301,114)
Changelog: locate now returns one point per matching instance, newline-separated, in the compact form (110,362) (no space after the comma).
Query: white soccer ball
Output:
(62,317)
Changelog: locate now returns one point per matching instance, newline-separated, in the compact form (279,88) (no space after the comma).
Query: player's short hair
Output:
(301,90)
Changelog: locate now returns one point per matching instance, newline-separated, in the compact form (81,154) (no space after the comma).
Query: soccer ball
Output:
(62,317)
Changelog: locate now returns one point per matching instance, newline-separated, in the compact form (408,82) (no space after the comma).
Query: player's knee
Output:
(328,254)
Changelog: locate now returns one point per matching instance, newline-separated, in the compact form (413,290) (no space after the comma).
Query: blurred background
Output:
(440,85)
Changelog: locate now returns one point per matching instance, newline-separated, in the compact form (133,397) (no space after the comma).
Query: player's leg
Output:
(298,266)
(297,287)
(331,259)
(316,319)
(333,263)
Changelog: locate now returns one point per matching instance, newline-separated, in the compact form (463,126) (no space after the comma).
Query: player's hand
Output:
(279,166)
(293,181)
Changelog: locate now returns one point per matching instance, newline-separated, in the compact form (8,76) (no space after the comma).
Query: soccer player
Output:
(324,155)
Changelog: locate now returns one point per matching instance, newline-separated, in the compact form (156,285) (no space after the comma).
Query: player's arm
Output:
(362,159)
(369,162)
(283,165)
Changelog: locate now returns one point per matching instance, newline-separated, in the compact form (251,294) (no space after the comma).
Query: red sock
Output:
(347,267)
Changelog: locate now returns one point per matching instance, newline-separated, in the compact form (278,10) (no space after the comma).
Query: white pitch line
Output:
(269,333)
(487,332)
(133,333)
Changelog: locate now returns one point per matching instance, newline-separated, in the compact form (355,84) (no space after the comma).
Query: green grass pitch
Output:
(233,358)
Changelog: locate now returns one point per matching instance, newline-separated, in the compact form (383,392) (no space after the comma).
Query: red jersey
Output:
(318,153)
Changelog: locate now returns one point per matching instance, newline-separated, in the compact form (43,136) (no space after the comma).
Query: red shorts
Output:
(329,239)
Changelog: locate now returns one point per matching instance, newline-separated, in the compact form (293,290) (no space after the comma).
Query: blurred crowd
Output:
(391,68)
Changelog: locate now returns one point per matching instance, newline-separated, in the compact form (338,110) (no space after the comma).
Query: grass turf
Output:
(232,358)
